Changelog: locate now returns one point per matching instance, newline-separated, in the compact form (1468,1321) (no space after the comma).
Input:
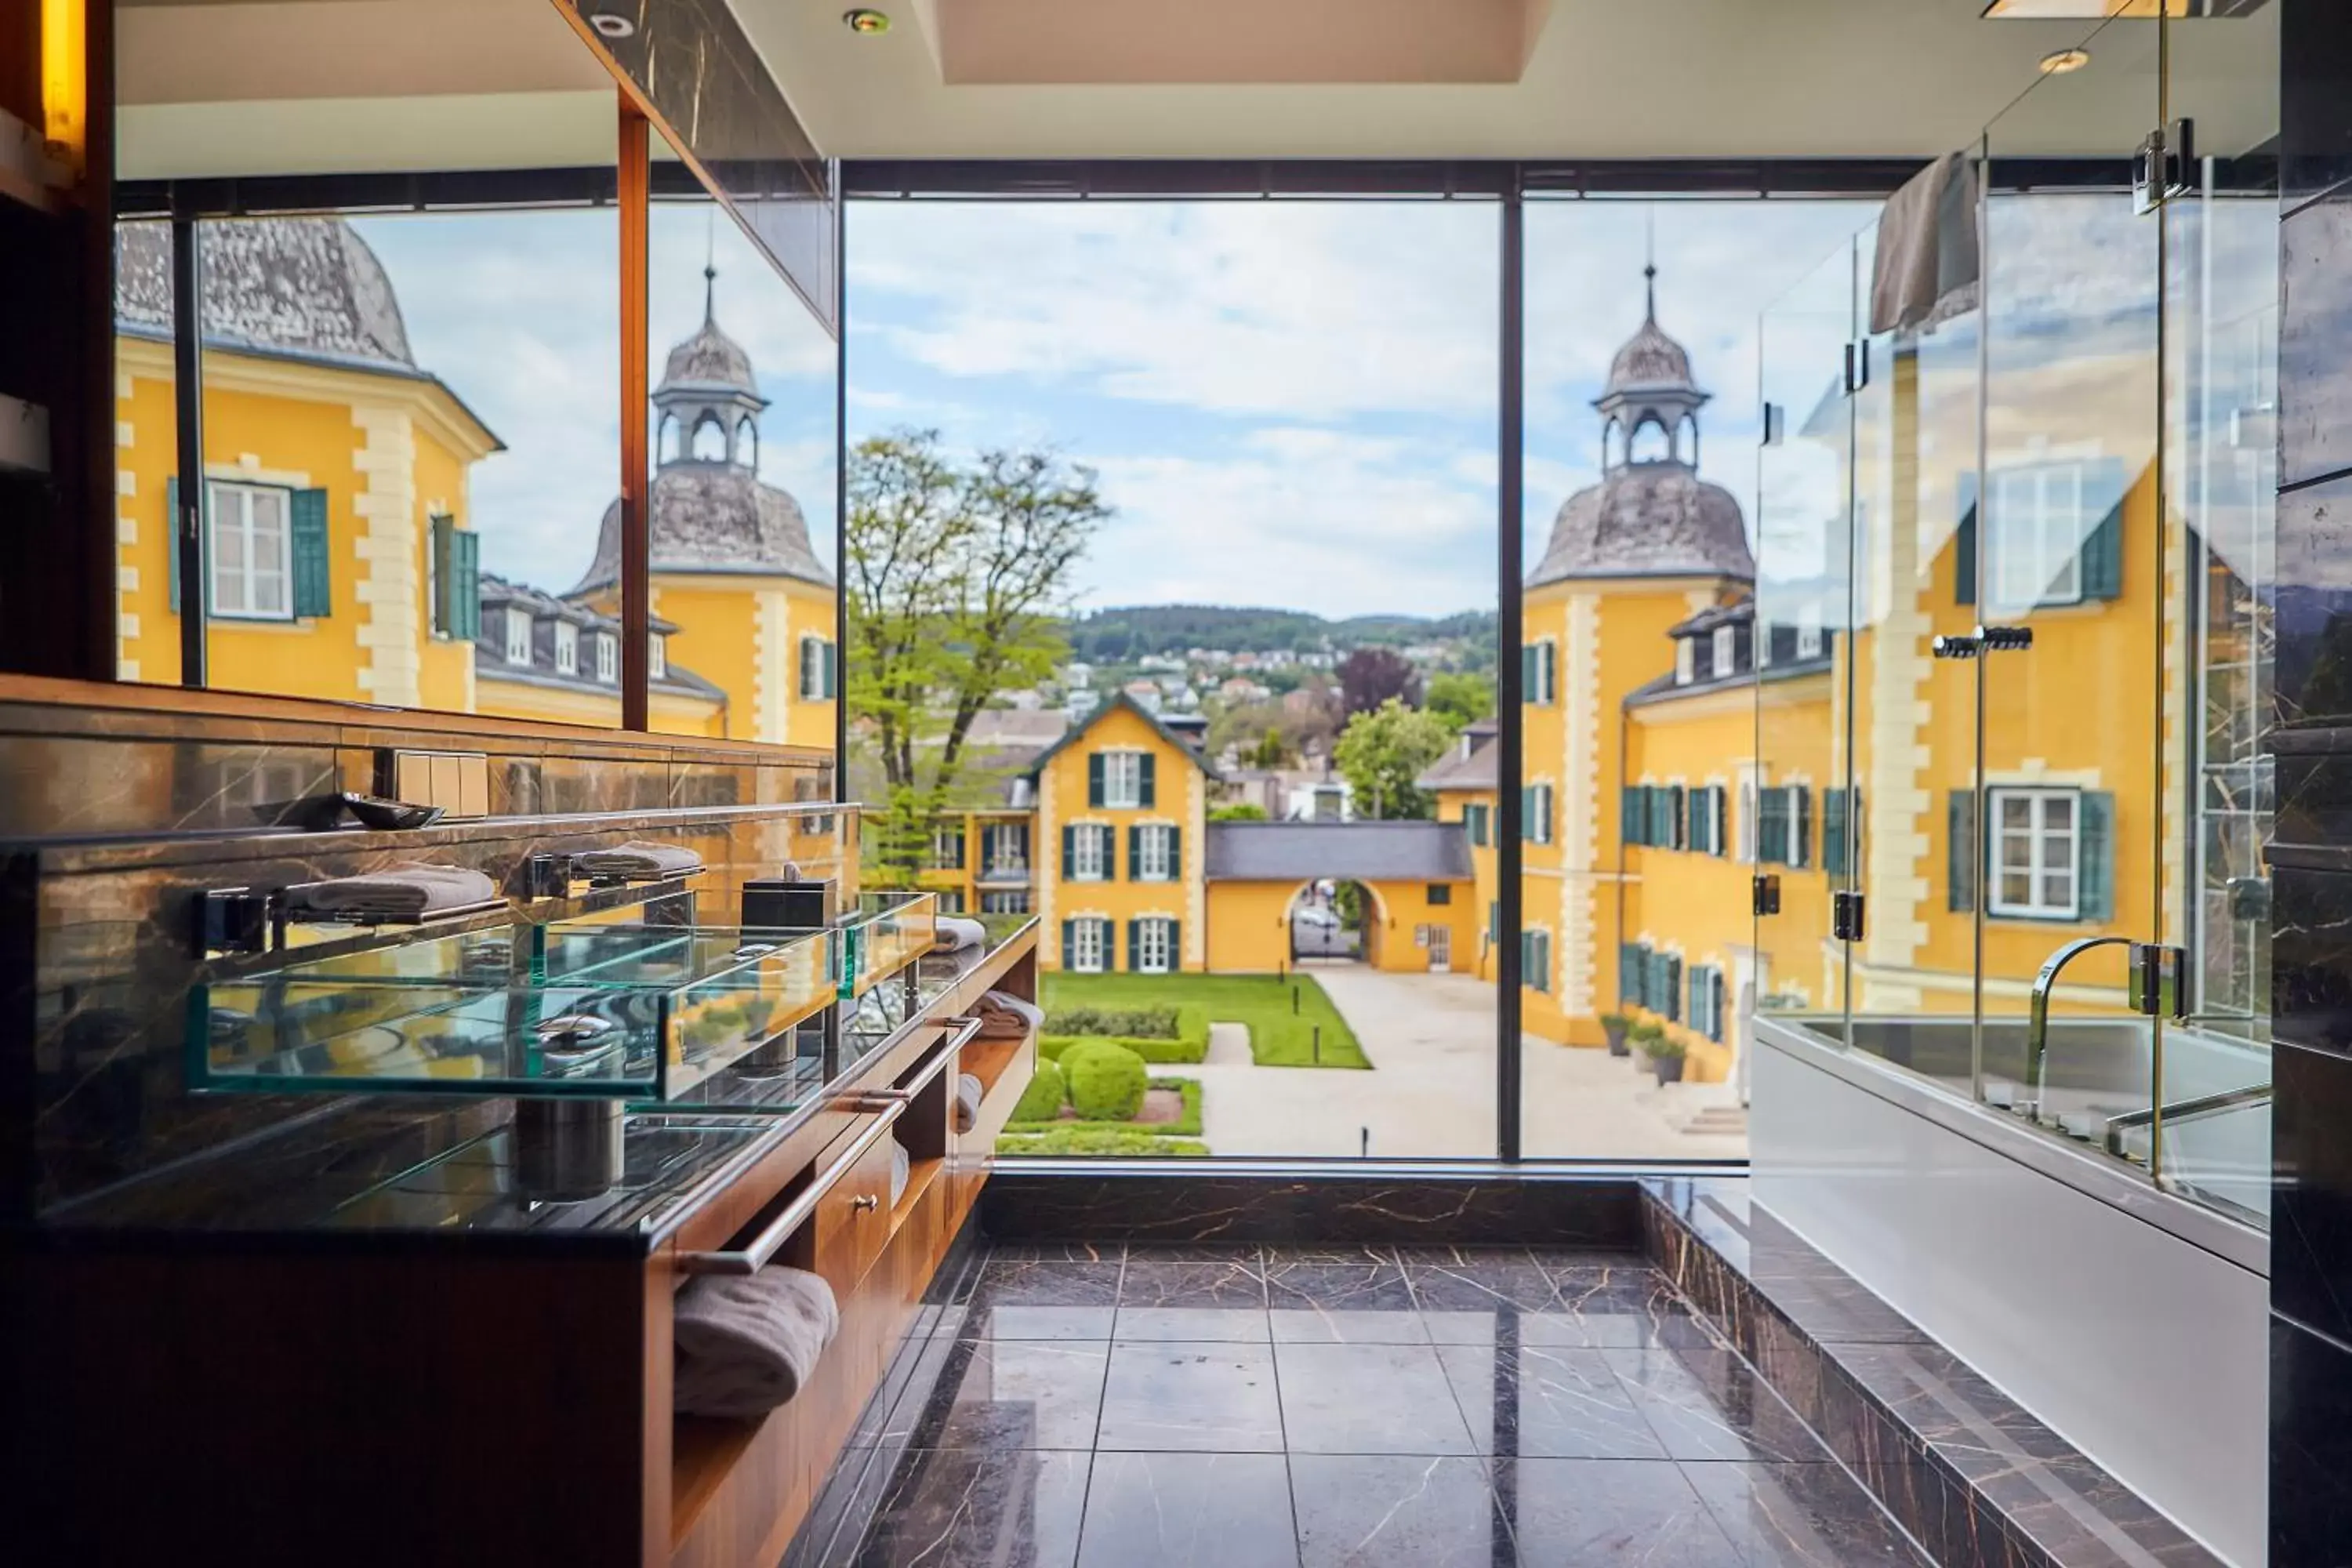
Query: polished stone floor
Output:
(1137,1407)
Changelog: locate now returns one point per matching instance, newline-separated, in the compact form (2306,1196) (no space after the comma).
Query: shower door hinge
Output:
(1766,892)
(1776,420)
(1857,366)
(1845,916)
(2162,167)
(2158,980)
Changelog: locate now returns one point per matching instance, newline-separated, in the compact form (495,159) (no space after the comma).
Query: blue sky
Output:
(1290,403)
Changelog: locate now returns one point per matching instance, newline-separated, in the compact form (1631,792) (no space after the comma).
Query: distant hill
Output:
(1113,636)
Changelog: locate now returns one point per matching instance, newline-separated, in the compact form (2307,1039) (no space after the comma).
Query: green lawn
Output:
(1277,1036)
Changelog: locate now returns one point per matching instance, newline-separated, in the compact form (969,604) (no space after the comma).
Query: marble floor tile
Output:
(1367,1286)
(1799,1516)
(1237,1324)
(1043,1299)
(963,1508)
(1213,1398)
(1710,1405)
(1463,1294)
(1235,1281)
(1194,1252)
(1298,1255)
(1367,1399)
(1188,1511)
(1542,1402)
(1011,1393)
(1396,1510)
(1344,1326)
(1603,1513)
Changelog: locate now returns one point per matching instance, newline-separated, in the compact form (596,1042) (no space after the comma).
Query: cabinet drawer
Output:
(853,1220)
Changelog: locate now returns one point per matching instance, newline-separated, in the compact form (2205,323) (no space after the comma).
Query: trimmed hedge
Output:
(1186,1125)
(1106,1081)
(1042,1099)
(1189,1043)
(1092,1141)
(1141,1023)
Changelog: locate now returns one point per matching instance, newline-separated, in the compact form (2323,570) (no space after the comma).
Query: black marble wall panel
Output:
(2314,334)
(2311,1449)
(2313,610)
(2310,953)
(2316,67)
(1229,1206)
(2311,1191)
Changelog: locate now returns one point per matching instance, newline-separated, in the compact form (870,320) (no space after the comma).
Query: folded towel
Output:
(642,860)
(997,1021)
(1026,1008)
(748,1344)
(396,893)
(902,1166)
(967,1103)
(1924,268)
(957,934)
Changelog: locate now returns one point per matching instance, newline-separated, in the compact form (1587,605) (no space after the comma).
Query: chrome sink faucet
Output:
(2037,1026)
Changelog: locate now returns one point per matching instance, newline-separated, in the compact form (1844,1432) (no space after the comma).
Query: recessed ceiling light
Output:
(613,26)
(2060,61)
(862,20)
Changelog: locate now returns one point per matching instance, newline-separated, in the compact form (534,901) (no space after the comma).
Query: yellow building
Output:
(1119,846)
(1464,784)
(981,862)
(732,567)
(1421,915)
(335,475)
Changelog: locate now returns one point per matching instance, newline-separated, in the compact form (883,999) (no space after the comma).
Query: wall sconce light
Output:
(65,82)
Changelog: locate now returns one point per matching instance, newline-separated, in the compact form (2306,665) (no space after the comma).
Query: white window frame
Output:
(1090,853)
(1000,860)
(2036,546)
(1155,856)
(2037,838)
(517,636)
(1005,902)
(1155,931)
(1546,671)
(608,658)
(567,649)
(1809,641)
(233,512)
(1122,781)
(1744,830)
(1685,661)
(1725,654)
(1090,944)
(656,658)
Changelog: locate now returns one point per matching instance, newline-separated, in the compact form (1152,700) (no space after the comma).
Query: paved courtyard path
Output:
(1430,1094)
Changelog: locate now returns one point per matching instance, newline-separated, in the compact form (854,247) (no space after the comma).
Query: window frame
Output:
(1086,834)
(2008,520)
(608,658)
(1083,927)
(1155,858)
(216,514)
(1723,652)
(657,656)
(1150,929)
(1113,798)
(2038,799)
(518,626)
(567,649)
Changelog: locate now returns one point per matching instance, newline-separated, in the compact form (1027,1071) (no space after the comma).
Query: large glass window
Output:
(252,563)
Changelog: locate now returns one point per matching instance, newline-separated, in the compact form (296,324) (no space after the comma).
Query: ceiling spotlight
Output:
(863,20)
(613,26)
(2061,61)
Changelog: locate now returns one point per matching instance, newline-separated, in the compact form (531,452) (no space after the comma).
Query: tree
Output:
(1240,811)
(1459,697)
(954,587)
(1372,675)
(1382,752)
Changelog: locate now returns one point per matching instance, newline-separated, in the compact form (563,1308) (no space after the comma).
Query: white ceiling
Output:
(302,86)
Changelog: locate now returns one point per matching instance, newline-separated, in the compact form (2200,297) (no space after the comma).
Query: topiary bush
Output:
(1106,1081)
(1044,1099)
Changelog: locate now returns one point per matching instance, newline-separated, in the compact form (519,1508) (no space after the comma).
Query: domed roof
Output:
(717,518)
(303,286)
(710,359)
(1650,361)
(1648,519)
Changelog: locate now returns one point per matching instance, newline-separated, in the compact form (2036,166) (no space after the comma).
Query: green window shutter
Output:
(1543,961)
(1960,851)
(1526,813)
(1095,779)
(1527,675)
(465,583)
(1175,944)
(172,539)
(1175,854)
(1629,814)
(1720,994)
(1772,827)
(1677,817)
(832,671)
(1148,794)
(1674,988)
(2097,827)
(1834,832)
(442,533)
(1069,853)
(1069,944)
(307,531)
(2103,552)
(1629,972)
(1801,826)
(1493,923)
(1134,947)
(1695,1005)
(809,674)
(1134,853)
(1964,545)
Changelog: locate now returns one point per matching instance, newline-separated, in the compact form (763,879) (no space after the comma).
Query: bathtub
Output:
(2131,1319)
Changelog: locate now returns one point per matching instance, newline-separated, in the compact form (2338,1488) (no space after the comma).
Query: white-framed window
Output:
(1155,945)
(1539,672)
(2040,519)
(1725,653)
(1155,853)
(1535,814)
(567,649)
(252,552)
(1808,642)
(1089,853)
(2037,853)
(1008,902)
(657,657)
(1090,944)
(1004,848)
(1122,780)
(608,658)
(1685,661)
(1535,959)
(517,636)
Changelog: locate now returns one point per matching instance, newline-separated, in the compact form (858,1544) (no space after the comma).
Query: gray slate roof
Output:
(1470,767)
(1648,519)
(714,517)
(1343,851)
(709,358)
(307,285)
(545,609)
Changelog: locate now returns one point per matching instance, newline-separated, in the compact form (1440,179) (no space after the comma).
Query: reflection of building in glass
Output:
(344,556)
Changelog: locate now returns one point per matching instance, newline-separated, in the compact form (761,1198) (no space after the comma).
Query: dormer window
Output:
(567,649)
(658,657)
(1685,661)
(518,636)
(1808,642)
(1724,652)
(608,659)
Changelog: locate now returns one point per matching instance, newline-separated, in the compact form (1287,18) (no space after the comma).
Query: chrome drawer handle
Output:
(866,1201)
(752,1258)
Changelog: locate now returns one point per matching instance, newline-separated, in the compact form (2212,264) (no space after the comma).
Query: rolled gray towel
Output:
(957,934)
(967,1103)
(746,1344)
(1022,1005)
(398,892)
(642,860)
(902,1168)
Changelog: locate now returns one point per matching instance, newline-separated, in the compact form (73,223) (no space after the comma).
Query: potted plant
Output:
(1643,1037)
(1666,1057)
(1613,1026)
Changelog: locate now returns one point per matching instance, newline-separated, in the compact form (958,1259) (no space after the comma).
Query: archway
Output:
(1334,920)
